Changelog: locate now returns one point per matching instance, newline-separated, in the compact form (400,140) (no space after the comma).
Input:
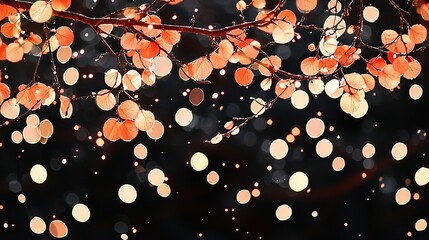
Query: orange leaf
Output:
(10,30)
(236,36)
(111,129)
(288,16)
(414,69)
(128,110)
(310,66)
(170,37)
(418,33)
(354,80)
(60,5)
(283,33)
(218,61)
(400,64)
(105,100)
(226,49)
(14,52)
(284,89)
(145,120)
(349,103)
(26,97)
(200,69)
(128,130)
(389,78)
(129,41)
(369,82)
(243,76)
(6,11)
(148,49)
(4,92)
(375,65)
(66,108)
(65,36)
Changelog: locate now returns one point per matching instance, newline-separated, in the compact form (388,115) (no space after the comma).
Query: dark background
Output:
(194,206)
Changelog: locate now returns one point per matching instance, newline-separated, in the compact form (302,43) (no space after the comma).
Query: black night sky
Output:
(357,202)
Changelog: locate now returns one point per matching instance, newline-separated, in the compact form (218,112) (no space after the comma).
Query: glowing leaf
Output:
(65,36)
(388,36)
(111,129)
(243,76)
(218,61)
(112,78)
(132,80)
(170,37)
(216,139)
(226,49)
(10,109)
(414,69)
(349,103)
(316,86)
(129,41)
(148,49)
(404,44)
(375,65)
(148,77)
(128,110)
(389,78)
(283,33)
(369,82)
(400,64)
(14,52)
(200,69)
(128,130)
(266,84)
(354,80)
(236,36)
(60,5)
(418,33)
(288,16)
(145,120)
(105,100)
(66,108)
(284,89)
(4,92)
(6,11)
(310,66)
(40,11)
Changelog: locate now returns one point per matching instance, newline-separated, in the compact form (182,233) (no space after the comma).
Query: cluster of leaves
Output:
(145,55)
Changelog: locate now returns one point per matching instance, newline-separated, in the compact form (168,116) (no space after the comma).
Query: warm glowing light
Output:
(37,225)
(183,117)
(58,229)
(298,181)
(127,193)
(38,174)
(199,161)
(243,196)
(279,149)
(156,177)
(81,212)
(338,164)
(212,178)
(368,150)
(402,196)
(140,151)
(399,151)
(324,148)
(315,127)
(283,212)
(422,176)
